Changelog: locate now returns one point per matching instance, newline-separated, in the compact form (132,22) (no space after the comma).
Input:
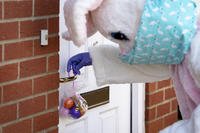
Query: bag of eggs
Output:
(75,106)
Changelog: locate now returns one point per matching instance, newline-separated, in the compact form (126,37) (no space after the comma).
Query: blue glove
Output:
(78,61)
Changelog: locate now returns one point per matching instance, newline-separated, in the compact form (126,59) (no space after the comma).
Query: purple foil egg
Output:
(75,113)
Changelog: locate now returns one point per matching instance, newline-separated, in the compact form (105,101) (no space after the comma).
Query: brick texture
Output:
(8,31)
(32,28)
(52,65)
(44,121)
(18,50)
(17,90)
(45,83)
(31,106)
(52,99)
(52,25)
(161,106)
(33,67)
(29,78)
(1,93)
(8,72)
(0,10)
(52,47)
(8,113)
(1,52)
(49,9)
(17,9)
(19,127)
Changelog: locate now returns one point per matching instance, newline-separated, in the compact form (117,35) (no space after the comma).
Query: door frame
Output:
(138,102)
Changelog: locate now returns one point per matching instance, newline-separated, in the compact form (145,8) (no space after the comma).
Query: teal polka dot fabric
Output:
(165,32)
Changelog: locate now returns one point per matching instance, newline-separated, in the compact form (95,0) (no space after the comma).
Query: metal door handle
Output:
(67,79)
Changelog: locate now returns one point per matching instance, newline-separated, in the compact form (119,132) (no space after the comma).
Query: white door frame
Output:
(138,108)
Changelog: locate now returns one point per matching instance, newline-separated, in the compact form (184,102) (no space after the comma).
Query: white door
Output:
(114,117)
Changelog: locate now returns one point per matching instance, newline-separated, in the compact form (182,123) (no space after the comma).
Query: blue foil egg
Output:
(75,113)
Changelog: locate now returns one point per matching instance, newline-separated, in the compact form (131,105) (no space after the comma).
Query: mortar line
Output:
(32,125)
(26,59)
(26,98)
(27,78)
(25,39)
(33,8)
(10,20)
(19,30)
(17,110)
(30,117)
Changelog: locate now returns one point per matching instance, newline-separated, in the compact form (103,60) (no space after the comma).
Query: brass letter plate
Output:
(97,97)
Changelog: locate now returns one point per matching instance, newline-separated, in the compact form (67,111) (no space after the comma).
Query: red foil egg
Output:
(68,103)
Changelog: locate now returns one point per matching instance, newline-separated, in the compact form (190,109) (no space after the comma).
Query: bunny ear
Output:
(76,15)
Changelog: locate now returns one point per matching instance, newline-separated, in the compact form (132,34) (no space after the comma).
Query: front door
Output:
(113,117)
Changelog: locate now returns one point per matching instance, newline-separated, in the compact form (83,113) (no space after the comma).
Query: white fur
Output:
(77,18)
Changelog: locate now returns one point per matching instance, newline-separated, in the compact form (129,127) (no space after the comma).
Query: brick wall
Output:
(28,72)
(161,106)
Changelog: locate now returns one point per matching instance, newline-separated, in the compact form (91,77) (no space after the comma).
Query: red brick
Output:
(19,127)
(170,119)
(150,114)
(169,93)
(0,10)
(45,121)
(8,30)
(32,28)
(1,53)
(154,99)
(8,72)
(150,87)
(1,94)
(174,105)
(53,46)
(46,83)
(155,126)
(163,109)
(17,91)
(33,67)
(31,106)
(46,7)
(8,113)
(53,100)
(17,9)
(53,25)
(53,63)
(164,83)
(18,50)
(53,131)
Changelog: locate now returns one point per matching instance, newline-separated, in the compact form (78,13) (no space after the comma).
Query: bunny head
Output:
(116,20)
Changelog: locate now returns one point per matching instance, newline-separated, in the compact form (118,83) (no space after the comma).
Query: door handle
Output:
(67,79)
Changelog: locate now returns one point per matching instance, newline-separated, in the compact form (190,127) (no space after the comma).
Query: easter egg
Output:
(75,113)
(64,112)
(68,103)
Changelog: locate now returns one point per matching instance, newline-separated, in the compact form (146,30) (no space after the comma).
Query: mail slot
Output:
(97,97)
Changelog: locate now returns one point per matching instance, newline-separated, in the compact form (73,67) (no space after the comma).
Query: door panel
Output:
(77,127)
(109,121)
